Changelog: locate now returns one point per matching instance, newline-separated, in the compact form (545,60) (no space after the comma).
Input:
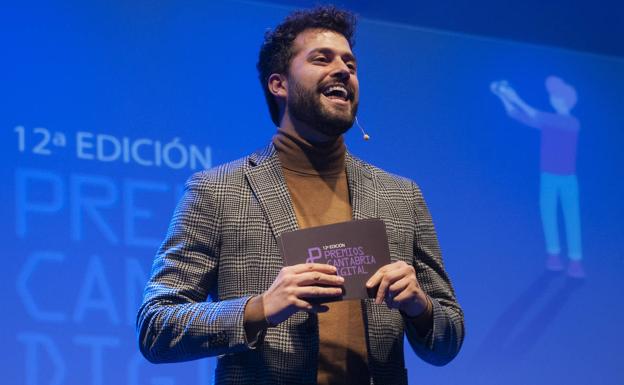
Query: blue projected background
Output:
(107,108)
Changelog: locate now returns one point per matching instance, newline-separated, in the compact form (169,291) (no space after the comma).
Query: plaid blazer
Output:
(221,249)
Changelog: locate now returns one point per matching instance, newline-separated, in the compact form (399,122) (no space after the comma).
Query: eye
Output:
(321,59)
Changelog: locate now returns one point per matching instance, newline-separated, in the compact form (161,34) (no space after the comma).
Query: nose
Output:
(341,70)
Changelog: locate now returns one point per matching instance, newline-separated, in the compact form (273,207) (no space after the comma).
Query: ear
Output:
(278,85)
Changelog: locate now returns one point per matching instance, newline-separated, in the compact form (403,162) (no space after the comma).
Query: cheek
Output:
(356,87)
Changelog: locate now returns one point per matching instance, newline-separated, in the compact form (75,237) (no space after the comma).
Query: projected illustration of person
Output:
(558,181)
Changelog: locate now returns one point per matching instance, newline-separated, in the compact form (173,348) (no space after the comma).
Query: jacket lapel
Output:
(264,175)
(361,189)
(266,179)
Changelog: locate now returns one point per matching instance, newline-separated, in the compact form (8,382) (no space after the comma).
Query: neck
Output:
(305,131)
(308,155)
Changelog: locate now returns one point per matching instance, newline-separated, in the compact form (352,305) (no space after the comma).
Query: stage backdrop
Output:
(108,107)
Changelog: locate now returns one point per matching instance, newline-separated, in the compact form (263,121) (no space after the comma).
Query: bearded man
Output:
(219,286)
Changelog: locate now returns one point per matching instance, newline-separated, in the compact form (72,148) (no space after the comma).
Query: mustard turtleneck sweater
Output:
(317,181)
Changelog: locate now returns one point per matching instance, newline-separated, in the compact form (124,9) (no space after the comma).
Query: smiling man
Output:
(219,287)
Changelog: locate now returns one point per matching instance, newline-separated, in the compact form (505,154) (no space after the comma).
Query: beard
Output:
(305,105)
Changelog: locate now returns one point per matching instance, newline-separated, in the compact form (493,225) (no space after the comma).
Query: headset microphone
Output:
(365,135)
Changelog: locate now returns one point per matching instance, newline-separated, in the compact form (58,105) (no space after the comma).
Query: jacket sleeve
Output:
(176,321)
(442,342)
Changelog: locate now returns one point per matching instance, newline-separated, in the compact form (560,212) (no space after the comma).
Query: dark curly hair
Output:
(276,51)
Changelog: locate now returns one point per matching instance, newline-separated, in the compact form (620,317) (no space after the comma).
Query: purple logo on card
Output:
(347,260)
(314,253)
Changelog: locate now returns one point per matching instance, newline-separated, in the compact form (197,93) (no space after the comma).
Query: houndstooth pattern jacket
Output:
(221,250)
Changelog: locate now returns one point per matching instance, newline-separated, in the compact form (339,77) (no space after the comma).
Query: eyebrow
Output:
(348,55)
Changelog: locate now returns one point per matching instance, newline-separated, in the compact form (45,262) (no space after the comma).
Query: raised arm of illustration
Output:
(514,105)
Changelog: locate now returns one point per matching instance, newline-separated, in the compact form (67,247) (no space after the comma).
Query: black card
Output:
(357,248)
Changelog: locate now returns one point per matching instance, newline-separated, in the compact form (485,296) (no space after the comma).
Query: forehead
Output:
(314,39)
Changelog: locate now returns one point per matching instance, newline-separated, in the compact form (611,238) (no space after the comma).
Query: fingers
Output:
(320,308)
(310,307)
(377,277)
(318,278)
(399,286)
(495,88)
(302,305)
(317,291)
(307,267)
(294,284)
(406,295)
(387,276)
(379,274)
(381,291)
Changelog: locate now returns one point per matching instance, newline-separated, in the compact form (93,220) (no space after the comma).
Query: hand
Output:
(494,86)
(497,85)
(500,87)
(507,91)
(294,284)
(400,289)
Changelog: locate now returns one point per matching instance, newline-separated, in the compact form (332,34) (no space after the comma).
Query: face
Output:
(559,105)
(322,85)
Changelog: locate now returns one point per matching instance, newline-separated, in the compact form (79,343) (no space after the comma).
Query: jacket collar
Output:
(266,179)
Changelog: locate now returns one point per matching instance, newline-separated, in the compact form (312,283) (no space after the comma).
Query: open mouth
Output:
(337,92)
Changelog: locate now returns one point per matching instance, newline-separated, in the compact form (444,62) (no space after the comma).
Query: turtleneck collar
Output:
(301,156)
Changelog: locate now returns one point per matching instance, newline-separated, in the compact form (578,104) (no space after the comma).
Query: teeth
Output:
(340,89)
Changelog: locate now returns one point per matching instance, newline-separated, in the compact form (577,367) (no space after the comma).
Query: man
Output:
(558,181)
(222,244)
